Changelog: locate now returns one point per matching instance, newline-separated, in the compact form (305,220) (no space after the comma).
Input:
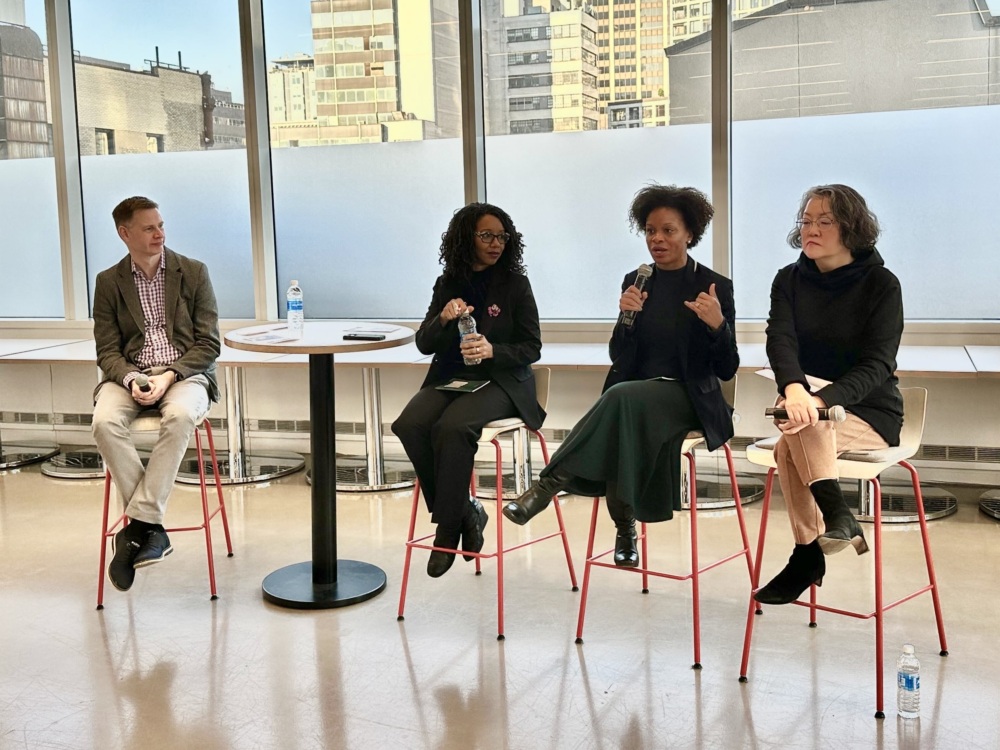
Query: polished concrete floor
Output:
(164,667)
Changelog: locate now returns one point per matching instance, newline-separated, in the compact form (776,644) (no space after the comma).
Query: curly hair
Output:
(458,242)
(693,206)
(859,228)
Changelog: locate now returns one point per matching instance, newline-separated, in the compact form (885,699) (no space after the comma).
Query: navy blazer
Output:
(706,356)
(510,324)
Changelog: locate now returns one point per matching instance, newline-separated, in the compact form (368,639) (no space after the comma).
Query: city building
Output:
(384,70)
(541,67)
(125,111)
(24,128)
(229,126)
(793,62)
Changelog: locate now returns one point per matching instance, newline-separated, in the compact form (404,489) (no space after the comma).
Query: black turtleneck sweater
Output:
(843,326)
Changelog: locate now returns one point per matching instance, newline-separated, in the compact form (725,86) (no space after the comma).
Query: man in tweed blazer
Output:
(154,315)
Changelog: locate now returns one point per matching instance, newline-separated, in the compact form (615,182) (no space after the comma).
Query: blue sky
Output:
(205,31)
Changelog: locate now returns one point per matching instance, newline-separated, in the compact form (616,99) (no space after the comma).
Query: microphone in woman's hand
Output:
(142,380)
(831,413)
(642,275)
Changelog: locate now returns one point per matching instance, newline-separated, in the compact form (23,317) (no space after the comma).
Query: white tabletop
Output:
(986,360)
(82,352)
(939,361)
(17,346)
(575,357)
(319,337)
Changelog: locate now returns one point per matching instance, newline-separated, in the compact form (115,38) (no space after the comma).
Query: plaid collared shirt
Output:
(157,351)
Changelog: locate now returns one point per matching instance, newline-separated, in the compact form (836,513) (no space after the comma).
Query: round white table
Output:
(323,582)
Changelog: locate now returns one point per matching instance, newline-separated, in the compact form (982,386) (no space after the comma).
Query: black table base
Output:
(325,582)
(293,586)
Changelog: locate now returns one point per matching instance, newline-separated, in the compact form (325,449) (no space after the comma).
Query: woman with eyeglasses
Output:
(483,276)
(673,342)
(837,316)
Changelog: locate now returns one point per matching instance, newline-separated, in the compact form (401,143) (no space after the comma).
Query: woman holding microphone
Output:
(836,314)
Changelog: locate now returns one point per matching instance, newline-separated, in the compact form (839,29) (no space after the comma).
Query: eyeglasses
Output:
(823,224)
(488,237)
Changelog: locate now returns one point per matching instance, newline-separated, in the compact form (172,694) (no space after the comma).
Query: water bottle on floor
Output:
(908,683)
(296,319)
(466,328)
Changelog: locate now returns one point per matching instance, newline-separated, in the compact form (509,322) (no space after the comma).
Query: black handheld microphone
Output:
(643,273)
(832,413)
(142,380)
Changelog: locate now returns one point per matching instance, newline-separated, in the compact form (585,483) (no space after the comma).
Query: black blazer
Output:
(510,324)
(706,356)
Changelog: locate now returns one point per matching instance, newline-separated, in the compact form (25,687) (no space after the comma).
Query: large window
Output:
(31,285)
(367,171)
(893,97)
(160,114)
(555,159)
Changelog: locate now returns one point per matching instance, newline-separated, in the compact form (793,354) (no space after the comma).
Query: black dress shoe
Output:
(805,567)
(124,545)
(154,548)
(626,553)
(536,498)
(439,562)
(472,528)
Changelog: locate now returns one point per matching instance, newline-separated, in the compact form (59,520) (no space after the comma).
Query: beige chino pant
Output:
(145,491)
(811,455)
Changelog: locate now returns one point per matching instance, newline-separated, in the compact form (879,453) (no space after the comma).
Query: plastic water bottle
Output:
(296,320)
(466,328)
(908,683)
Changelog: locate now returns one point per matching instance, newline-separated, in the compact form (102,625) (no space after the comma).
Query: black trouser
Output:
(439,431)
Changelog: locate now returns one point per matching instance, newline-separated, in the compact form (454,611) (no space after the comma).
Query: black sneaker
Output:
(125,546)
(155,547)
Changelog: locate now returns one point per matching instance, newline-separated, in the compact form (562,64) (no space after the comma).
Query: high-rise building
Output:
(541,66)
(689,18)
(386,70)
(24,128)
(632,68)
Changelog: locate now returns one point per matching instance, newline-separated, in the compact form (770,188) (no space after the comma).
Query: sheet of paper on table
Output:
(269,336)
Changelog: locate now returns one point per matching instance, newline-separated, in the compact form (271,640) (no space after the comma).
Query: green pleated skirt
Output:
(631,438)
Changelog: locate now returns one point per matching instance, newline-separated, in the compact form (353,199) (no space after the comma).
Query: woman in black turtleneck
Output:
(664,378)
(484,277)
(836,314)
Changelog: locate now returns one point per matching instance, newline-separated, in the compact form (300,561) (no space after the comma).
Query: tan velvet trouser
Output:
(811,455)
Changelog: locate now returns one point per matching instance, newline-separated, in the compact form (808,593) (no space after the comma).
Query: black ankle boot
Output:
(537,497)
(842,528)
(805,567)
(439,562)
(626,553)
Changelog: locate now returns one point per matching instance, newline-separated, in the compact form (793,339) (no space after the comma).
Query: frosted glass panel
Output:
(31,283)
(925,174)
(569,193)
(360,225)
(204,200)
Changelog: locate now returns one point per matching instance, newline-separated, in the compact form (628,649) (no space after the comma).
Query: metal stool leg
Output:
(409,550)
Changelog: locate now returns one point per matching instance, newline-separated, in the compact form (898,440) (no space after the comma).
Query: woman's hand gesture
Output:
(708,309)
(454,309)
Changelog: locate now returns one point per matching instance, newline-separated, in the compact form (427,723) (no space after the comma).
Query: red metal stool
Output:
(693,439)
(491,434)
(866,466)
(149,421)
